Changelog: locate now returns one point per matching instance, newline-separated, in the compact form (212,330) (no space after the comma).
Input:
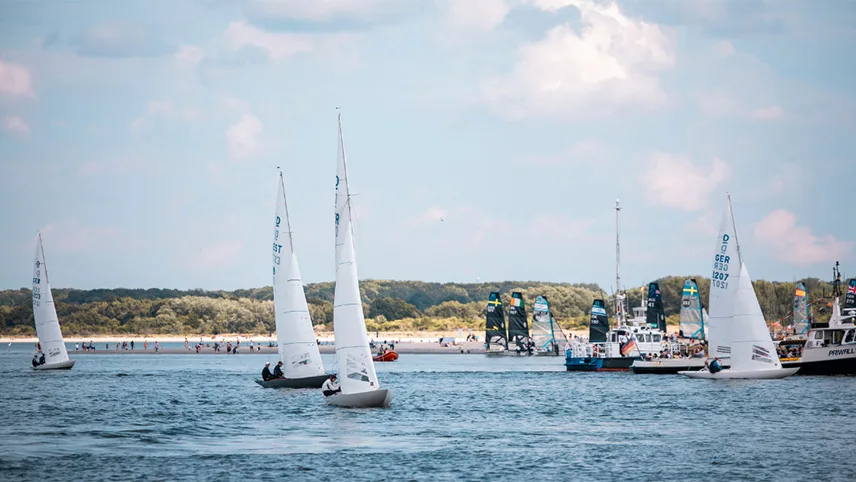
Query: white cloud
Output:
(189,54)
(239,35)
(154,108)
(772,112)
(476,15)
(244,136)
(676,182)
(588,152)
(15,125)
(797,245)
(15,80)
(612,62)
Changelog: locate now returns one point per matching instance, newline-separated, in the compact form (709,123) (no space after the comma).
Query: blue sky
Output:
(142,138)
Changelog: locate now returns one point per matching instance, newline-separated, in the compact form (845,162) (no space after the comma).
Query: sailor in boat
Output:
(277,370)
(266,375)
(330,387)
(38,359)
(714,366)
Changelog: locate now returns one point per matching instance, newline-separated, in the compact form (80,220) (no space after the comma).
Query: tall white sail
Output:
(723,285)
(44,311)
(356,368)
(751,346)
(295,337)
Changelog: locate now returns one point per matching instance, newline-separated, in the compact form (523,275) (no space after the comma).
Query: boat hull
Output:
(374,399)
(667,366)
(545,353)
(388,356)
(841,366)
(727,374)
(308,382)
(66,365)
(593,364)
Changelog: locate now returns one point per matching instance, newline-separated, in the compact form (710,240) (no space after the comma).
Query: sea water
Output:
(453,417)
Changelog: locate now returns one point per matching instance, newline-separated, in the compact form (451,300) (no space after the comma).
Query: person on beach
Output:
(330,387)
(157,347)
(277,370)
(266,372)
(132,344)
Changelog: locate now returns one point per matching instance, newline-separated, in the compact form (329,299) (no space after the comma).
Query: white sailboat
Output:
(47,325)
(736,325)
(296,344)
(358,379)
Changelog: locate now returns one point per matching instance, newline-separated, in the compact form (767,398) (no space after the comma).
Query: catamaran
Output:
(737,329)
(547,335)
(359,382)
(296,343)
(692,325)
(53,354)
(830,348)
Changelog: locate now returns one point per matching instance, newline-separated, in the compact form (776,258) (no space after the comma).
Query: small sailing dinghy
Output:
(737,325)
(547,335)
(296,344)
(495,335)
(47,325)
(518,325)
(359,382)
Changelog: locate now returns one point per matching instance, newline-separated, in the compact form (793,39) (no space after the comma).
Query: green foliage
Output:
(388,305)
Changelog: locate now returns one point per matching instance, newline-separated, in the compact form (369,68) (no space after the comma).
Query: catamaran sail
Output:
(494,333)
(656,313)
(358,379)
(44,312)
(800,322)
(850,301)
(693,315)
(547,335)
(295,337)
(599,324)
(518,325)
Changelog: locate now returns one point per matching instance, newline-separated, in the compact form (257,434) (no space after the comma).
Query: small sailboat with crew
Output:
(296,342)
(495,333)
(359,384)
(52,353)
(547,334)
(830,348)
(737,329)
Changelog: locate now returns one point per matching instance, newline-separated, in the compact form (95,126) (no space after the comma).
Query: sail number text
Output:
(720,265)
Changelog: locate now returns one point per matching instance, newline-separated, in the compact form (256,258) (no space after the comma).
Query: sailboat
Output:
(358,379)
(495,335)
(296,344)
(737,326)
(800,322)
(51,343)
(547,335)
(518,325)
(693,314)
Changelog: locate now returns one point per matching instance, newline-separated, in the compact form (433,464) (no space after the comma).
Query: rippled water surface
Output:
(453,417)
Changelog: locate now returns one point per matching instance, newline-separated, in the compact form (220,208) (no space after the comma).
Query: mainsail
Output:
(692,311)
(656,313)
(850,301)
(356,368)
(44,312)
(599,325)
(800,322)
(723,284)
(518,325)
(295,337)
(494,331)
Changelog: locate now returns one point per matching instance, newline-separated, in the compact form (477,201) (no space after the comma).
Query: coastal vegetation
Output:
(388,306)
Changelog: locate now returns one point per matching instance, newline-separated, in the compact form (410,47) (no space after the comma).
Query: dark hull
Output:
(841,366)
(668,367)
(308,382)
(591,364)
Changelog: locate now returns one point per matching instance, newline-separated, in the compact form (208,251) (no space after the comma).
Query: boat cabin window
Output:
(656,338)
(849,337)
(818,335)
(831,337)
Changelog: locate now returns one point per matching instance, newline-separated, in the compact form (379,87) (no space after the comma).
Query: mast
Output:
(287,218)
(619,305)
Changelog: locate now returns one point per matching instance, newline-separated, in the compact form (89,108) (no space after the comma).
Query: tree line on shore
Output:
(388,306)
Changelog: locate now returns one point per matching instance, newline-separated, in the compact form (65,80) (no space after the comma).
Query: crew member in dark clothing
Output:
(330,387)
(36,360)
(714,366)
(277,370)
(266,372)
(41,359)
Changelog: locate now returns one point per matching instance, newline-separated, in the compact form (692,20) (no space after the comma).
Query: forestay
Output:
(295,337)
(44,312)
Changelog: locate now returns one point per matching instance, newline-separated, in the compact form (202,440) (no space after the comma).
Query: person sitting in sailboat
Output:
(330,387)
(715,366)
(266,372)
(277,370)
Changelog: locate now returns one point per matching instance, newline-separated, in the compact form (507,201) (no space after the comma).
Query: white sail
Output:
(723,285)
(295,337)
(356,368)
(751,346)
(44,311)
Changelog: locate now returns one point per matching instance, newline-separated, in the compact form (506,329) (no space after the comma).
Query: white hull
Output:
(373,399)
(507,353)
(728,374)
(66,365)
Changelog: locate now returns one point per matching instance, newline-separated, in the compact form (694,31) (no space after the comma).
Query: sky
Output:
(486,139)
